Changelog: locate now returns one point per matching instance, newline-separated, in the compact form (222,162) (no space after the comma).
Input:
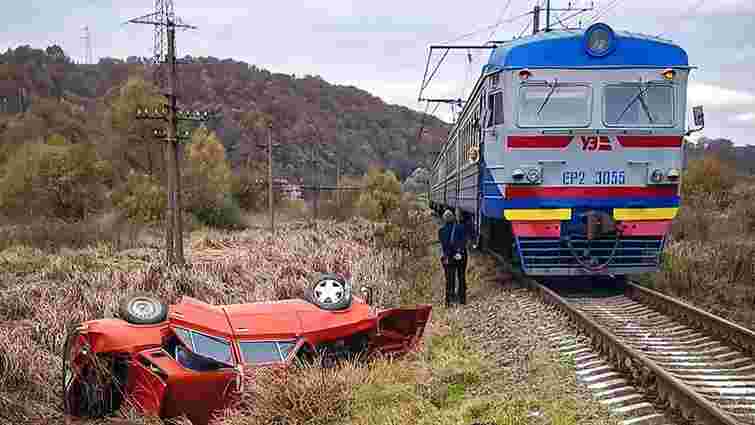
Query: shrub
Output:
(141,199)
(249,190)
(709,178)
(56,179)
(207,176)
(226,215)
(381,194)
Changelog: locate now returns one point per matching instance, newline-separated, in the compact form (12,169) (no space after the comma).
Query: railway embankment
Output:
(709,260)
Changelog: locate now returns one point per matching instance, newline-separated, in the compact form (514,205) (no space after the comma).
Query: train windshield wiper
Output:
(547,98)
(641,97)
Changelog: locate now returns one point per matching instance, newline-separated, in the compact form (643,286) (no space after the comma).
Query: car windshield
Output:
(257,352)
(554,104)
(639,104)
(214,348)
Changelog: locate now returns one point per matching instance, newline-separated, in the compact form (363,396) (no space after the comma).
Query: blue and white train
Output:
(567,155)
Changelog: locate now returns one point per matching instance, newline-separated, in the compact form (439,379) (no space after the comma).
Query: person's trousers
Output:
(456,282)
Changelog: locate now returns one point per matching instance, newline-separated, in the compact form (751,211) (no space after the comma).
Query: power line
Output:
(500,19)
(687,15)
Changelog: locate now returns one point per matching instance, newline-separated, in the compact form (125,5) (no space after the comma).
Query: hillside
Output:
(350,125)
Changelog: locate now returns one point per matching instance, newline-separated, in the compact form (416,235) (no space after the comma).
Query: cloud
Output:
(746,117)
(715,96)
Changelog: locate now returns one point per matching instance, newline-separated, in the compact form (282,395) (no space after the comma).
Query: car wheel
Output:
(143,309)
(329,292)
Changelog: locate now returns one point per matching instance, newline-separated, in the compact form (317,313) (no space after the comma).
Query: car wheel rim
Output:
(329,291)
(143,308)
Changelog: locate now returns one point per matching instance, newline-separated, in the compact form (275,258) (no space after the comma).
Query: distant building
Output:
(13,99)
(289,190)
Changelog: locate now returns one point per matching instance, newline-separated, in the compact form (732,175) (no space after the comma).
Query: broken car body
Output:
(189,358)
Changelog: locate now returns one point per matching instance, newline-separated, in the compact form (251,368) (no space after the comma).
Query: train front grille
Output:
(606,254)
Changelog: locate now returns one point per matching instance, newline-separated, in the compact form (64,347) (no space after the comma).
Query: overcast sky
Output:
(381,46)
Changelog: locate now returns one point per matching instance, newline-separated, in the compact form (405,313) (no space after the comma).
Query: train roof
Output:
(568,49)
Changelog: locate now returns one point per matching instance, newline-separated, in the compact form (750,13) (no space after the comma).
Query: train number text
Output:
(599,177)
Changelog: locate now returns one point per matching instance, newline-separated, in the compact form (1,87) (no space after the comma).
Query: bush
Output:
(207,175)
(227,215)
(381,195)
(141,199)
(709,178)
(55,179)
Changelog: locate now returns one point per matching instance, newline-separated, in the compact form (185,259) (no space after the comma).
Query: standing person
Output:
(461,246)
(452,237)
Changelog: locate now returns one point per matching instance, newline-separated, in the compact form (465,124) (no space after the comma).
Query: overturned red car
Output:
(189,358)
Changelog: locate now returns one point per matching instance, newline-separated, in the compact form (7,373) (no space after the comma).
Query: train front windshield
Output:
(636,104)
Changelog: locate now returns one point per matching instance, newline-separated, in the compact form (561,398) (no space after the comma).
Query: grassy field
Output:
(446,381)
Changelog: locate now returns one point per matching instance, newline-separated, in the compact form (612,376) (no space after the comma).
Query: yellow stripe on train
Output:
(644,213)
(537,214)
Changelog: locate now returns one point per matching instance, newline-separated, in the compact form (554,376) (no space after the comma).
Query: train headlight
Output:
(533,175)
(673,174)
(599,40)
(668,74)
(517,174)
(656,176)
(525,74)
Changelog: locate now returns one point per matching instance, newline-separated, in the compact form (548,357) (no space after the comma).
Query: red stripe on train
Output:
(554,142)
(513,192)
(650,141)
(644,228)
(543,229)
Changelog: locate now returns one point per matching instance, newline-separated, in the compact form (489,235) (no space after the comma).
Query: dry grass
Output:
(43,291)
(710,259)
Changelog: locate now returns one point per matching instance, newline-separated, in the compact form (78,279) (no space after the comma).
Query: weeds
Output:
(710,259)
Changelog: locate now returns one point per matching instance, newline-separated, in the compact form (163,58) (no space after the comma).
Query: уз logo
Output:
(596,143)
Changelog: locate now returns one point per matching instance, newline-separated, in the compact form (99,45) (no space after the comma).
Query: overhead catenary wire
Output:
(695,7)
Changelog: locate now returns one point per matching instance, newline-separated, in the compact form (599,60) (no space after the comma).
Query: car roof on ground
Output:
(265,320)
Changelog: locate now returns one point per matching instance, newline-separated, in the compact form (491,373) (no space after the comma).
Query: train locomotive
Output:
(567,156)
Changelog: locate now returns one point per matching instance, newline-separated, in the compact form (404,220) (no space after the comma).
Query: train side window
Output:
(495,109)
(498,107)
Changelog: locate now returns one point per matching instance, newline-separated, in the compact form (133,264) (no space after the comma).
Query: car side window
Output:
(213,348)
(260,352)
(257,352)
(206,346)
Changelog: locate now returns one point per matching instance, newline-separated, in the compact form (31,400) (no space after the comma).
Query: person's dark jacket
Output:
(459,242)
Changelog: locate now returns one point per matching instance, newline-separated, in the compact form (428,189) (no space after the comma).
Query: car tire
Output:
(330,292)
(143,308)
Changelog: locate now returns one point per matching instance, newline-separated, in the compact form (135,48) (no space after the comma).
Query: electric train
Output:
(567,155)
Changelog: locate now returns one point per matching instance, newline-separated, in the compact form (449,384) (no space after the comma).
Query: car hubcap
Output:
(143,308)
(329,291)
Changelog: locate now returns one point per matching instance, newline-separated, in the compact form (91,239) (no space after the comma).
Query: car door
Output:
(206,379)
(399,329)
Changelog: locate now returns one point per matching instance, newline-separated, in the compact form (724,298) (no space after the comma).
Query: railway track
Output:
(684,359)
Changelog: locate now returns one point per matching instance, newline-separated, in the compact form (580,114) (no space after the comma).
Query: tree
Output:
(207,174)
(138,147)
(54,179)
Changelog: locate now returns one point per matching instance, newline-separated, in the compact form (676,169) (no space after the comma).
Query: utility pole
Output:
(548,9)
(163,17)
(338,180)
(270,176)
(270,145)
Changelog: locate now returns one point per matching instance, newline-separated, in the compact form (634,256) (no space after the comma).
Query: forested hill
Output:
(341,123)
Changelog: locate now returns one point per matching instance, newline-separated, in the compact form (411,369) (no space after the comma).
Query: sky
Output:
(382,46)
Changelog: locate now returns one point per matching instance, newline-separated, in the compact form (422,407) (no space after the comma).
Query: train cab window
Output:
(638,104)
(495,109)
(554,104)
